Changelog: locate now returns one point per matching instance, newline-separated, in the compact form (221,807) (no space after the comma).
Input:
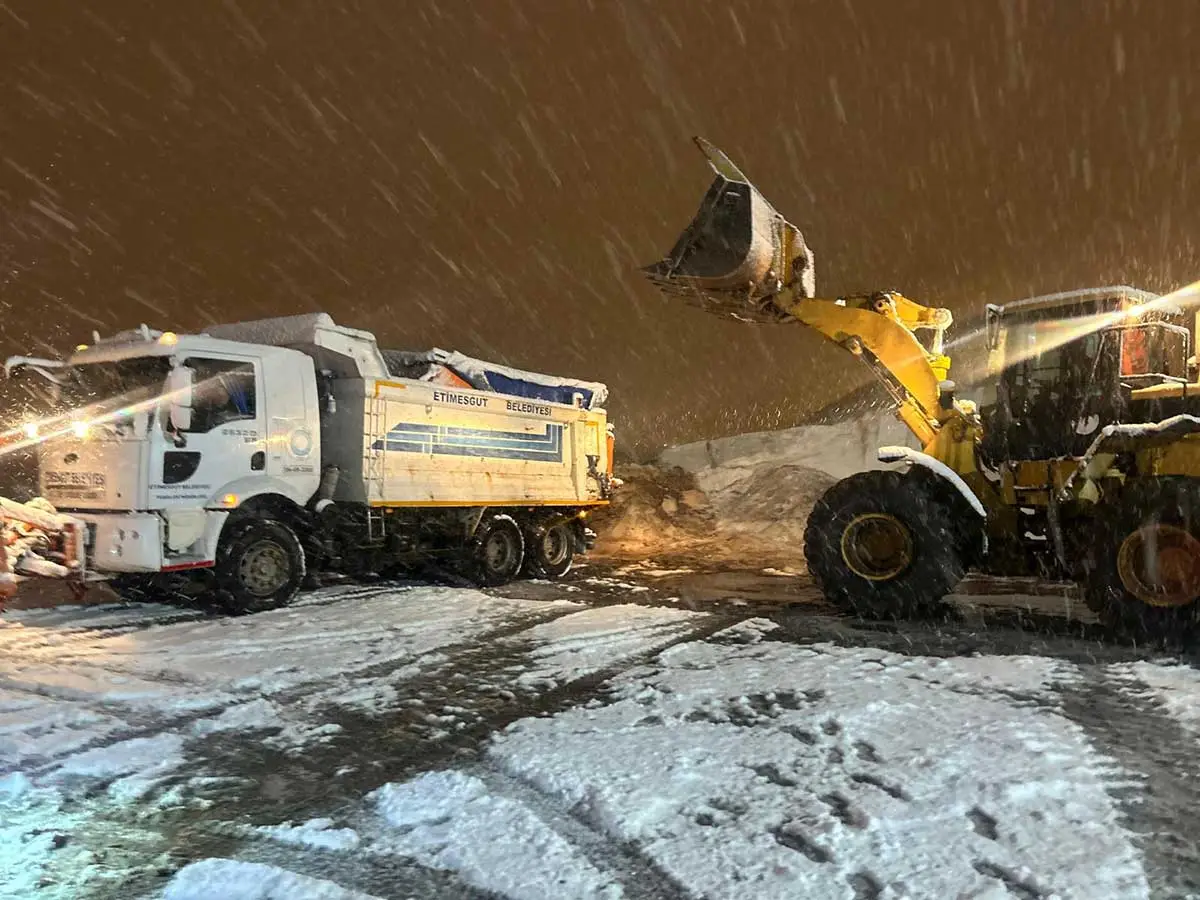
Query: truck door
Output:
(225,441)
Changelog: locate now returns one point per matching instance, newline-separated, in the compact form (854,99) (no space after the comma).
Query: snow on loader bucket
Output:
(737,252)
(38,542)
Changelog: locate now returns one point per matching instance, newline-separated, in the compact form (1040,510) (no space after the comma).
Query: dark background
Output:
(487,176)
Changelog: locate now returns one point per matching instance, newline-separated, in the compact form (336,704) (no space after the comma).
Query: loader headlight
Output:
(80,429)
(31,430)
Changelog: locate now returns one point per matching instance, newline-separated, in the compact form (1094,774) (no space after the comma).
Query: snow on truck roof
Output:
(319,330)
(354,352)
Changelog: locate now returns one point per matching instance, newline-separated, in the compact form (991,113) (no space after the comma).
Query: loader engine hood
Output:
(737,252)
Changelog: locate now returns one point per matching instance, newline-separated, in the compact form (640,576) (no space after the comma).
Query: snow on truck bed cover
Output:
(486,376)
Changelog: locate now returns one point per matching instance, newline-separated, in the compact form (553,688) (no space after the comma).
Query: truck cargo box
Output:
(405,442)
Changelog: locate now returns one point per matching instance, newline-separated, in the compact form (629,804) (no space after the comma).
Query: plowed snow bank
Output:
(742,499)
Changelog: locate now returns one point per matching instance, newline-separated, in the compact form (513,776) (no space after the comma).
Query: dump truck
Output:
(1078,458)
(237,463)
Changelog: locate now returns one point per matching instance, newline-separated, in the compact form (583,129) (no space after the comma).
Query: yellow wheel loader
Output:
(1079,458)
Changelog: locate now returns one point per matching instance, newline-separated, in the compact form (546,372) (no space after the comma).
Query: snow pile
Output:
(586,642)
(1175,686)
(318,833)
(229,879)
(34,823)
(741,497)
(27,535)
(131,767)
(656,510)
(451,821)
(838,449)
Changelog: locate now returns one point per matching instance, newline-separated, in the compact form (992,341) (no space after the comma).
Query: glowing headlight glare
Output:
(31,430)
(80,429)
(229,500)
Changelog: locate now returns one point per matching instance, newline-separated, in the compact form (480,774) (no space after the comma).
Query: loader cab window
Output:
(1058,386)
(224,391)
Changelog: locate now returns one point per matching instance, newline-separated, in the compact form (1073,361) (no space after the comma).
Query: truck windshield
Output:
(111,394)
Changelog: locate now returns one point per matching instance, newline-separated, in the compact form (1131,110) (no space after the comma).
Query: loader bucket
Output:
(737,253)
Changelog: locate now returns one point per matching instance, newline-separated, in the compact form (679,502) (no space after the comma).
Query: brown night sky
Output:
(486,176)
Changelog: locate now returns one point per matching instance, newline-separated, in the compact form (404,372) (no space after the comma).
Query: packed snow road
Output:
(633,732)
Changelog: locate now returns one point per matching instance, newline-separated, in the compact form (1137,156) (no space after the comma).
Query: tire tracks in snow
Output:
(1131,728)
(147,721)
(622,861)
(366,744)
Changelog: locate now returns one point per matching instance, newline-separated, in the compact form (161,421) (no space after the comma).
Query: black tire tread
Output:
(1173,500)
(938,565)
(237,535)
(536,564)
(480,571)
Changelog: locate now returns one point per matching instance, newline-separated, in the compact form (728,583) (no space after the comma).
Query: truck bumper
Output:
(124,542)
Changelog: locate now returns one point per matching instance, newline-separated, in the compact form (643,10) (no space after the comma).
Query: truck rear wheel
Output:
(499,550)
(549,550)
(259,566)
(1143,572)
(879,546)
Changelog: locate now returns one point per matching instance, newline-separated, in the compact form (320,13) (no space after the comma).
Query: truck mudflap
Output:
(37,541)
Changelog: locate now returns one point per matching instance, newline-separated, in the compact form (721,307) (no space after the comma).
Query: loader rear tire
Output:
(879,546)
(1142,572)
(259,566)
(498,551)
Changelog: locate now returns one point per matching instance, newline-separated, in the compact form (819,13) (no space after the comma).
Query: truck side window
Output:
(224,392)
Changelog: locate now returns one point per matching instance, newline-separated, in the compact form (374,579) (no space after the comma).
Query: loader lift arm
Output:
(740,258)
(880,330)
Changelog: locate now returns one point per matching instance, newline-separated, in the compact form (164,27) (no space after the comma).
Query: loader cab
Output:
(1062,367)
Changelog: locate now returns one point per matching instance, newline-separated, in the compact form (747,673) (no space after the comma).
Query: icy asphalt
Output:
(642,731)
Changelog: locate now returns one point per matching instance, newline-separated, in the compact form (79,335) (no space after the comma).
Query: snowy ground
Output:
(642,734)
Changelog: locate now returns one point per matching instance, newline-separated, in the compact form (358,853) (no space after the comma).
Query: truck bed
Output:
(405,442)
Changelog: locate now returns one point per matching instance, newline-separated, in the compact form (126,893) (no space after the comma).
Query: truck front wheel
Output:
(260,565)
(879,546)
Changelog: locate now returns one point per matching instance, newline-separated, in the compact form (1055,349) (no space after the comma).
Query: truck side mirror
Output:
(180,382)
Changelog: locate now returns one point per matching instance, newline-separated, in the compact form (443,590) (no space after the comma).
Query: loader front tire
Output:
(879,546)
(260,565)
(1142,573)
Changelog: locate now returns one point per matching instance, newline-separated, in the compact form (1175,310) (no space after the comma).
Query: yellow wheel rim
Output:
(877,546)
(1160,565)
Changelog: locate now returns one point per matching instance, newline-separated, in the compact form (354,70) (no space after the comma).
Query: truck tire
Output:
(259,566)
(879,547)
(498,551)
(549,550)
(1142,571)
